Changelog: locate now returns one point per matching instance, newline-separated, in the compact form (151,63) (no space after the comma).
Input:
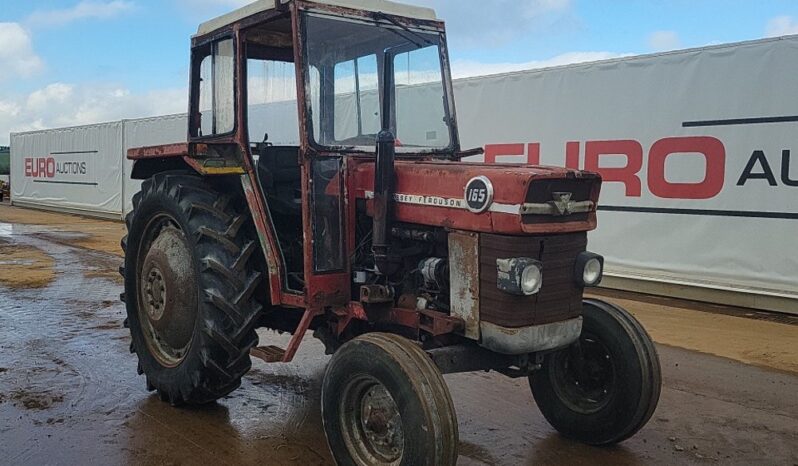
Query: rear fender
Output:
(146,168)
(148,161)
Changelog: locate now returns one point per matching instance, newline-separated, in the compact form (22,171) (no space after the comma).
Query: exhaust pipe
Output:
(384,176)
(383,201)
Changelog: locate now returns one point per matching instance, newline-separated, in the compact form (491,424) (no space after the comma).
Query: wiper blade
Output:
(424,40)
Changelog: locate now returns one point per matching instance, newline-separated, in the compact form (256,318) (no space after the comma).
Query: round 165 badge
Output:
(479,194)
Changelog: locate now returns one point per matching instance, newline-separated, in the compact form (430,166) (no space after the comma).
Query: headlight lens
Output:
(592,273)
(589,269)
(531,279)
(521,276)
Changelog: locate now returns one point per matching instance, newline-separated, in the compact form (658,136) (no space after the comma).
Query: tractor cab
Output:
(282,89)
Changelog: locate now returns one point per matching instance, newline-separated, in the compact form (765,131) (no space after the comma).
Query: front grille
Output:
(542,191)
(560,298)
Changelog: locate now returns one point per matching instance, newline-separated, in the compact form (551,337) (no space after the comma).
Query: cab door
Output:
(326,262)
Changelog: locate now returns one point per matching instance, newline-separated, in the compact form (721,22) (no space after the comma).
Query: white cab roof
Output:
(384,6)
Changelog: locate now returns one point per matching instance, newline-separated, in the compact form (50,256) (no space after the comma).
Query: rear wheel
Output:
(604,388)
(191,274)
(385,403)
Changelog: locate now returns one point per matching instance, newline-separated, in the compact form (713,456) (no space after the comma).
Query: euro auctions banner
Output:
(698,151)
(68,167)
(78,169)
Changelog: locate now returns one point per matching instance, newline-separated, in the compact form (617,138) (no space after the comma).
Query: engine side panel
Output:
(464,280)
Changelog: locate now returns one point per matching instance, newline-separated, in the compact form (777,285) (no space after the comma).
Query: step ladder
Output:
(268,354)
(271,354)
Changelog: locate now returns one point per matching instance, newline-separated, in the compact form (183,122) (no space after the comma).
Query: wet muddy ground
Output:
(69,393)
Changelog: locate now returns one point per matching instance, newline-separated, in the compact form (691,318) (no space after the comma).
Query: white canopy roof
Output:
(258,6)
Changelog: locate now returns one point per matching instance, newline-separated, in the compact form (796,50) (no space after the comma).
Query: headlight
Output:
(531,279)
(589,269)
(520,276)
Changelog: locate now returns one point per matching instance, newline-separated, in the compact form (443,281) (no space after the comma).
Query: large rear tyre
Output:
(384,402)
(191,274)
(604,388)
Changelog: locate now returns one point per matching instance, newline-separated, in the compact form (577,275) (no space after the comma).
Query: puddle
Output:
(6,229)
(21,262)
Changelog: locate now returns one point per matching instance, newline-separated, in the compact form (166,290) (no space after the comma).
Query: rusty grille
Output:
(542,191)
(560,298)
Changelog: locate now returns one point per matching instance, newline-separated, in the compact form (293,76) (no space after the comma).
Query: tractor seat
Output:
(280,178)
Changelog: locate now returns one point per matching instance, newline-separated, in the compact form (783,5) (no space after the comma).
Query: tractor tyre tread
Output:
(228,308)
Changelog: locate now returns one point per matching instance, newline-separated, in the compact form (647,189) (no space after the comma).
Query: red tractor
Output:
(322,188)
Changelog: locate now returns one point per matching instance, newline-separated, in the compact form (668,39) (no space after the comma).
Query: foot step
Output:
(268,353)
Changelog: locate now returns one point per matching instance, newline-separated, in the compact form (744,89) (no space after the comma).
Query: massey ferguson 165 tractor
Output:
(322,189)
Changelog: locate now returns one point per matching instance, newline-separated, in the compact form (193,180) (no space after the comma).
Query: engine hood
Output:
(524,199)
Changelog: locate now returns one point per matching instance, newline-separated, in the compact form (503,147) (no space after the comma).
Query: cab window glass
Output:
(271,102)
(216,90)
(357,102)
(224,95)
(420,98)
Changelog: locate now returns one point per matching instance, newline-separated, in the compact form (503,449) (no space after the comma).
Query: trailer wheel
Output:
(604,388)
(385,403)
(191,274)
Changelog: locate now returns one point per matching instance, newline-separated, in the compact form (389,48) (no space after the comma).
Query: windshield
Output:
(345,67)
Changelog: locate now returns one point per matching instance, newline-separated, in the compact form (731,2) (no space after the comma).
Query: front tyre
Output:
(604,388)
(191,286)
(385,403)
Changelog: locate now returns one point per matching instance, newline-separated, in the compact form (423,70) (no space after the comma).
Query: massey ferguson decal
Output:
(62,168)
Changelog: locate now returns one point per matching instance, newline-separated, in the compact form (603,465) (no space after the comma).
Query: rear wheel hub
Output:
(168,296)
(155,291)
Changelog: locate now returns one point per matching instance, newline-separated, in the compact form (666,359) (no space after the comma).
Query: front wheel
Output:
(385,403)
(604,388)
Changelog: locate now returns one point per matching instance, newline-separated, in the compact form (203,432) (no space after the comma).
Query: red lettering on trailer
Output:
(626,175)
(572,155)
(495,150)
(533,153)
(40,167)
(710,148)
(714,156)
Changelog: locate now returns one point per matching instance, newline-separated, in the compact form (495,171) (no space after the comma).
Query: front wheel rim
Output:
(584,376)
(371,423)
